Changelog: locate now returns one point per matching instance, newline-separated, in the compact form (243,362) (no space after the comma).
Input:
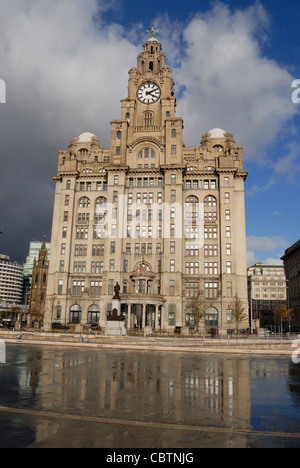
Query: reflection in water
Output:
(209,391)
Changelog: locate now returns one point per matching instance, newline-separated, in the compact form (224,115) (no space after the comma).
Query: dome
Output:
(217,133)
(86,137)
(152,39)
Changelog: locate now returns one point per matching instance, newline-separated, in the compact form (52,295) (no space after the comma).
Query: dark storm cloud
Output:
(63,76)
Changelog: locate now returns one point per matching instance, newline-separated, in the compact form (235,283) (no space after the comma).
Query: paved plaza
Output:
(87,397)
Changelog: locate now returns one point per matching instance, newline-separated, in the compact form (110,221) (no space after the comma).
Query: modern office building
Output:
(163,220)
(11,284)
(266,288)
(291,260)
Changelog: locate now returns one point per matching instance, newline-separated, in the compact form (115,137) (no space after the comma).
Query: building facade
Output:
(266,288)
(291,260)
(163,220)
(11,284)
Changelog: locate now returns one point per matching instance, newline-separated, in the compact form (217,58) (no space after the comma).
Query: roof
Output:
(217,133)
(86,137)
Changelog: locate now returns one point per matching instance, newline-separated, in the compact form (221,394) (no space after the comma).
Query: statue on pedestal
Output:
(117,292)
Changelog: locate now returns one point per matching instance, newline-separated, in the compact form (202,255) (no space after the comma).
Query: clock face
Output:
(148,93)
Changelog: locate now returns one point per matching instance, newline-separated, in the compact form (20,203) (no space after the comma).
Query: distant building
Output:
(266,287)
(39,285)
(33,254)
(11,284)
(291,260)
(34,249)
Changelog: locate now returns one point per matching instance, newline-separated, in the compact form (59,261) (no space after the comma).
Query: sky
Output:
(65,66)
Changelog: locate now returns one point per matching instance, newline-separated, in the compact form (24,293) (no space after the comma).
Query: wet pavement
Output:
(91,398)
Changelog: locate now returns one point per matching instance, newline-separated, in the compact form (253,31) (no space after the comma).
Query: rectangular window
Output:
(229,316)
(211,290)
(192,289)
(210,268)
(60,287)
(172,315)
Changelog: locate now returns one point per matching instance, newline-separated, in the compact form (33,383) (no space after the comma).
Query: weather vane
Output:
(153,31)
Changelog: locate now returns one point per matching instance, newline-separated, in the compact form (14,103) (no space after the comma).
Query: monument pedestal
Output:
(115,325)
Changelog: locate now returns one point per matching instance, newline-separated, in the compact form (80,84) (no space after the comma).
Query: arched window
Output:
(84,202)
(146,153)
(101,202)
(218,148)
(83,152)
(192,200)
(210,201)
(211,317)
(173,133)
(94,315)
(119,134)
(75,314)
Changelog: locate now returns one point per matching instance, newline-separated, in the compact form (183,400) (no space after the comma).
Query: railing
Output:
(147,128)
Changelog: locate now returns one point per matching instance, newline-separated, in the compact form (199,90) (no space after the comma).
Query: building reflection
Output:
(170,388)
(161,399)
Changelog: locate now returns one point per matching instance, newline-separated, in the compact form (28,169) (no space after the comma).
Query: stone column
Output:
(129,317)
(143,315)
(156,317)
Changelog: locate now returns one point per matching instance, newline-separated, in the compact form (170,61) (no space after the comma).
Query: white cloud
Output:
(260,248)
(228,81)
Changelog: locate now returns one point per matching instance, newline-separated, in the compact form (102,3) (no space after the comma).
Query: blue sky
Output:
(233,63)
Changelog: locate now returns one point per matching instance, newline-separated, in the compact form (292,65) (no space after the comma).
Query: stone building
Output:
(291,260)
(164,220)
(266,288)
(39,285)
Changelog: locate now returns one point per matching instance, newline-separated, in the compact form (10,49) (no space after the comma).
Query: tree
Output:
(238,312)
(281,313)
(197,308)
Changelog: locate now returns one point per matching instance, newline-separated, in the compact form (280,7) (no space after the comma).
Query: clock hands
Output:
(150,92)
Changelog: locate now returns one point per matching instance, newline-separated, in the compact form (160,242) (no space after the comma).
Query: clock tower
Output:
(149,109)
